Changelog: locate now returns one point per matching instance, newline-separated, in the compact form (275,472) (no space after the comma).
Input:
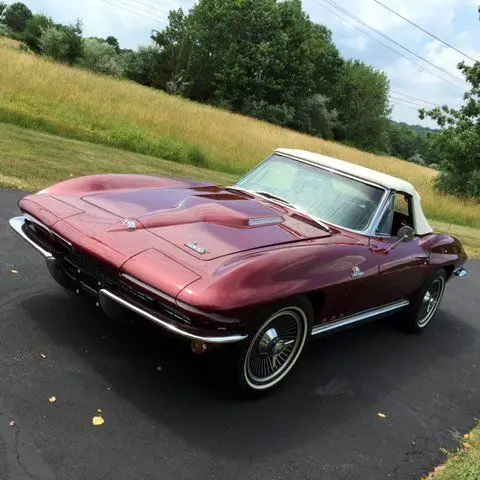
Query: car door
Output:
(402,266)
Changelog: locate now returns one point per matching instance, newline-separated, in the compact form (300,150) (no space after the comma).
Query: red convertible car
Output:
(301,246)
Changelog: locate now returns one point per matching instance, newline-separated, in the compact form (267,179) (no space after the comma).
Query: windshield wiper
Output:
(313,219)
(274,197)
(298,209)
(238,189)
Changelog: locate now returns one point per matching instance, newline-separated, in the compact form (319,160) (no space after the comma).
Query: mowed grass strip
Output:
(31,160)
(37,93)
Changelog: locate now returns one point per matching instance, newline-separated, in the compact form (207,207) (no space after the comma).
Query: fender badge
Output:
(356,272)
(193,246)
(129,223)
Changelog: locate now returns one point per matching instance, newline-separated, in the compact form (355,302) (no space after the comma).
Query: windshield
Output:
(325,195)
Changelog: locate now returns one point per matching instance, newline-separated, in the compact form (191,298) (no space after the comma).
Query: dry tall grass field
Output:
(37,93)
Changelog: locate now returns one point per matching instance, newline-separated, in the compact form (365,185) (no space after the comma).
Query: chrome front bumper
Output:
(104,295)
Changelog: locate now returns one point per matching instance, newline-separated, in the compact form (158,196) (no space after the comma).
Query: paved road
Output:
(183,422)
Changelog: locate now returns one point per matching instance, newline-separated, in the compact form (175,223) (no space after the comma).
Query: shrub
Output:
(63,44)
(100,57)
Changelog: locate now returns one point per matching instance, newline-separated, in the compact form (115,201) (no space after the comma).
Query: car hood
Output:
(206,222)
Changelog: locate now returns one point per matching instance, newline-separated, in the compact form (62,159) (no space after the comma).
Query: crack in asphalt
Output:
(20,460)
(411,453)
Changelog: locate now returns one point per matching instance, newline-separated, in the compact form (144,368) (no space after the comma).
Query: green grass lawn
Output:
(31,160)
(463,464)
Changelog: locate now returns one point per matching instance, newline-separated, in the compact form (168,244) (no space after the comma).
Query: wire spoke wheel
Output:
(275,348)
(430,301)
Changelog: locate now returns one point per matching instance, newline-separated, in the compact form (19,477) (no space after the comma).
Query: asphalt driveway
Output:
(170,415)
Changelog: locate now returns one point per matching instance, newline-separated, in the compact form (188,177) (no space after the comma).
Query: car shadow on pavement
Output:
(338,380)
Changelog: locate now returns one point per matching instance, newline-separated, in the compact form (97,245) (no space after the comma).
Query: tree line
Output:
(261,58)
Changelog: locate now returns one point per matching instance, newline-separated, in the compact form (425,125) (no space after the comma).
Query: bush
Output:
(63,43)
(313,117)
(100,57)
(4,30)
(417,158)
(34,30)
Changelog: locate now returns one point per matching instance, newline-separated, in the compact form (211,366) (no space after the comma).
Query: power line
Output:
(414,98)
(406,104)
(141,9)
(388,46)
(151,6)
(424,30)
(403,100)
(157,20)
(357,19)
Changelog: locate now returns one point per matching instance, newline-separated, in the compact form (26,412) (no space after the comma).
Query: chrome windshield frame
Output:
(369,231)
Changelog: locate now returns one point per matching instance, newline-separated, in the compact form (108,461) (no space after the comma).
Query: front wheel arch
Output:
(295,311)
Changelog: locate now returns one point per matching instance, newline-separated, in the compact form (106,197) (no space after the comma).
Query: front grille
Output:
(91,275)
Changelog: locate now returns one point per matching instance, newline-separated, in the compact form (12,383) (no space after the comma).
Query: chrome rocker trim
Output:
(169,326)
(359,317)
(17,224)
(460,272)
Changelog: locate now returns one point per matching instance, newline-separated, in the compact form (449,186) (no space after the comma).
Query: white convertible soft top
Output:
(387,181)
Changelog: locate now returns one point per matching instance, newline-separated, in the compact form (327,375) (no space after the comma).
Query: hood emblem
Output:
(356,272)
(129,223)
(194,246)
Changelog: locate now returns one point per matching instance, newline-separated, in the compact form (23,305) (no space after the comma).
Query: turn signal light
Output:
(198,347)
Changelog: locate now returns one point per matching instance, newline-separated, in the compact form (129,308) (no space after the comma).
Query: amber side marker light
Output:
(198,347)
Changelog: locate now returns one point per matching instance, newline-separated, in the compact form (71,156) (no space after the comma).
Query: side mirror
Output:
(406,234)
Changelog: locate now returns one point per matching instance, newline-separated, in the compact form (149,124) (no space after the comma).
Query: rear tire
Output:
(273,349)
(425,303)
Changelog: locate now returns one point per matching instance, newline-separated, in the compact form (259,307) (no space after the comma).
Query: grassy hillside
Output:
(31,160)
(39,94)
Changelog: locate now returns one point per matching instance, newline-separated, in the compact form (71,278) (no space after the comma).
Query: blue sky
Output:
(455,21)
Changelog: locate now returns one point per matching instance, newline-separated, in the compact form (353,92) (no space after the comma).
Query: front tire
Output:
(269,355)
(426,302)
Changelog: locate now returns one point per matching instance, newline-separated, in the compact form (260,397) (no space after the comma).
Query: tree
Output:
(16,15)
(404,142)
(259,57)
(3,6)
(459,140)
(143,66)
(112,41)
(34,29)
(361,100)
(100,57)
(63,43)
(313,116)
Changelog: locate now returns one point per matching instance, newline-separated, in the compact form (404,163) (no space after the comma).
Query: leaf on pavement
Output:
(98,420)
(466,445)
(52,399)
(12,423)
(381,415)
(467,436)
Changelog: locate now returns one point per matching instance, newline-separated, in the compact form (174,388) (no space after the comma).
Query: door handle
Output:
(425,257)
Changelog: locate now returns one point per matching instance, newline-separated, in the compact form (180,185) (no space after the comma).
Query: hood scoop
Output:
(206,225)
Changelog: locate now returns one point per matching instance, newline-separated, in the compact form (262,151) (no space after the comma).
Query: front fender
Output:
(271,275)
